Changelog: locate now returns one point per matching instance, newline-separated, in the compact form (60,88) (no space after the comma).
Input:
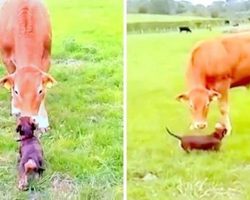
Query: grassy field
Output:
(157,166)
(162,18)
(83,149)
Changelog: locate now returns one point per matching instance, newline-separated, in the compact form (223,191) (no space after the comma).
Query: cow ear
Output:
(48,80)
(213,95)
(182,97)
(7,82)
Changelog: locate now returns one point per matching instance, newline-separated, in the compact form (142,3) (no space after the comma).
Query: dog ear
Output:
(34,126)
(18,128)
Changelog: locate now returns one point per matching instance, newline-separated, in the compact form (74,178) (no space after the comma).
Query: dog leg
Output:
(23,179)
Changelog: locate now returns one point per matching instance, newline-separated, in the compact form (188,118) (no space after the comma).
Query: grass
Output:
(162,18)
(83,149)
(157,166)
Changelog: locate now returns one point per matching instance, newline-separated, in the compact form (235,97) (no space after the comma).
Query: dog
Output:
(210,142)
(31,162)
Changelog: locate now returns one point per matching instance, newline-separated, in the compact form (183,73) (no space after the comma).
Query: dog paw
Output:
(22,186)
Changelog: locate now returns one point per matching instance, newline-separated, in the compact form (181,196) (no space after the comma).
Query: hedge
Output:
(172,25)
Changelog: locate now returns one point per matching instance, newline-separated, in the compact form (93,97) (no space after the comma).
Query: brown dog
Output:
(31,154)
(210,142)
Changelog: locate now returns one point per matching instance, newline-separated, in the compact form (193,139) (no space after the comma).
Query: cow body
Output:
(185,28)
(215,67)
(25,46)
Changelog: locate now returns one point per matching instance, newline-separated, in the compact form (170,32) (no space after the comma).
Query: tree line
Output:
(229,8)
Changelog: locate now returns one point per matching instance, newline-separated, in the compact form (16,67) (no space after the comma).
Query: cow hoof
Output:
(43,130)
(219,125)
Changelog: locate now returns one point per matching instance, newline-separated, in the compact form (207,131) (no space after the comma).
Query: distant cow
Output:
(236,24)
(209,27)
(185,28)
(227,22)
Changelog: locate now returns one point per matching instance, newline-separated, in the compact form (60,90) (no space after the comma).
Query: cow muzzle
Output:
(199,125)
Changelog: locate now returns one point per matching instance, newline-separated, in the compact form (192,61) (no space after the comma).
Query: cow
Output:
(185,28)
(209,27)
(226,22)
(236,24)
(215,66)
(25,47)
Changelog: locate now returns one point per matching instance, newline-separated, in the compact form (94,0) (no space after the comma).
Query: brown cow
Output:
(216,66)
(25,46)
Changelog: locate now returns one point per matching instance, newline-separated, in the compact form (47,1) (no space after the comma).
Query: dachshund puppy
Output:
(210,142)
(31,154)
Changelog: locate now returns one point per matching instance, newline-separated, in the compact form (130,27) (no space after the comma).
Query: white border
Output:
(125,99)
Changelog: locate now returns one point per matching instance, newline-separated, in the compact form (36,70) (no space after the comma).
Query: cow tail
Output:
(170,133)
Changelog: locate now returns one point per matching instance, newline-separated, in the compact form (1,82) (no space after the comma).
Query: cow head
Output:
(28,87)
(199,100)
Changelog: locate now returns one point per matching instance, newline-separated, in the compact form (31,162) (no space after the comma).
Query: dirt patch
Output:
(63,187)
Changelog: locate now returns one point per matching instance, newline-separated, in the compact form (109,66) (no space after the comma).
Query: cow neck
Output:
(195,79)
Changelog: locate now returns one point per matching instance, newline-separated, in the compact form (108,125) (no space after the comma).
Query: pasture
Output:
(83,149)
(157,167)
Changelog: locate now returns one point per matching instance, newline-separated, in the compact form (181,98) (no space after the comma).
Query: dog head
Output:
(26,127)
(220,132)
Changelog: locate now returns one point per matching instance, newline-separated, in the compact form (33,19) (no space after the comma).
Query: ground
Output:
(83,149)
(157,167)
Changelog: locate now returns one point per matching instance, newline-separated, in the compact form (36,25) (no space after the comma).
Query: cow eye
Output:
(40,91)
(16,92)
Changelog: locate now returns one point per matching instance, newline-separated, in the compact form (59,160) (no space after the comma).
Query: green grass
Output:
(162,18)
(83,149)
(156,67)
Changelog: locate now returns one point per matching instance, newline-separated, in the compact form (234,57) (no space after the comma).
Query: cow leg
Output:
(224,107)
(225,119)
(42,119)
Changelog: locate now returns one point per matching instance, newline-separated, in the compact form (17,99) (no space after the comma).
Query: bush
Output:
(142,9)
(214,14)
(70,45)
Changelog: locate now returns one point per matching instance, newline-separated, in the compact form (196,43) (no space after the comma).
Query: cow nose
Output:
(200,125)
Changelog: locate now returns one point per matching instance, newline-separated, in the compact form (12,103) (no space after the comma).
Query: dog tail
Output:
(170,133)
(30,166)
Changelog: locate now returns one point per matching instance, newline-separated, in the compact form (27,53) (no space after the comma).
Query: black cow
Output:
(227,22)
(185,28)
